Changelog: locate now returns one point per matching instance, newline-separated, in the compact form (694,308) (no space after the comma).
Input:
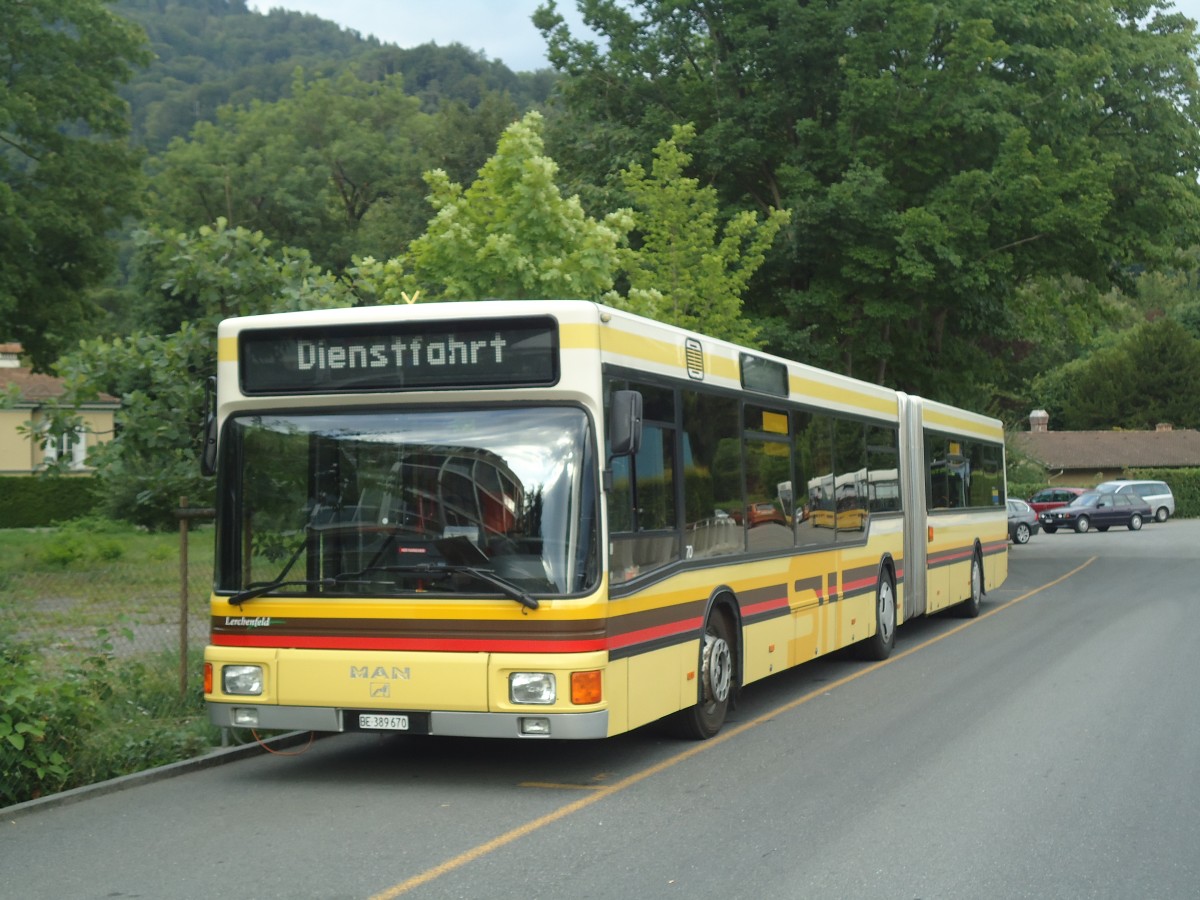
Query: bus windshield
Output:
(370,502)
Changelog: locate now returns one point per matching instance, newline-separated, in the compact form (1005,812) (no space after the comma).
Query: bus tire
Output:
(969,608)
(879,645)
(705,719)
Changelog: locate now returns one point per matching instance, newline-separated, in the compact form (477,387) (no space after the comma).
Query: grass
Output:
(90,650)
(59,584)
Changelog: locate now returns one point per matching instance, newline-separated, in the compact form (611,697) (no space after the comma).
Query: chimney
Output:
(1039,420)
(1164,426)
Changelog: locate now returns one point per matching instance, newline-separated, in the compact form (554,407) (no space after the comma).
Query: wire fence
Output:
(89,591)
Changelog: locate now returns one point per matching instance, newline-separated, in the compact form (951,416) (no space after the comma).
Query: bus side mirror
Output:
(208,453)
(625,423)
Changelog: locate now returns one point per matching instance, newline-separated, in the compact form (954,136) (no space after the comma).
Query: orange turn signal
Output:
(586,688)
(208,675)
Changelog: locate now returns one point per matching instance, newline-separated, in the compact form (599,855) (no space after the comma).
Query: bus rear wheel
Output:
(705,719)
(880,644)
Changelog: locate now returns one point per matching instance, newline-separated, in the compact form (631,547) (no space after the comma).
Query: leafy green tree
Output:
(512,234)
(686,270)
(937,157)
(160,374)
(1150,375)
(309,171)
(67,177)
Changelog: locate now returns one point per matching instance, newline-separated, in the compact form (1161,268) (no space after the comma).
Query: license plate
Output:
(383,723)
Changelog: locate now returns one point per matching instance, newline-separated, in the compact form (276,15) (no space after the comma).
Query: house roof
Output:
(34,388)
(1111,449)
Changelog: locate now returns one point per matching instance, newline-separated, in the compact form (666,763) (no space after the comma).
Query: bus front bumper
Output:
(562,726)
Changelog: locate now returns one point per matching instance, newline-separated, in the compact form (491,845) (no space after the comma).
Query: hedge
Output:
(1185,485)
(36,501)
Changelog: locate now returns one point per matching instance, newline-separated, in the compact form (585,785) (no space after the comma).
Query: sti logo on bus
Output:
(400,356)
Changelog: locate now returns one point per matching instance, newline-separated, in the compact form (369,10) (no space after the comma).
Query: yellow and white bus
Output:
(553,519)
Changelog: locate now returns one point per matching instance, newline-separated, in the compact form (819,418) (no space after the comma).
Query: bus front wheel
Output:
(705,719)
(970,607)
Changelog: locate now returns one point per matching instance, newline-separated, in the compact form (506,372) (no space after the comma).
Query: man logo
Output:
(381,673)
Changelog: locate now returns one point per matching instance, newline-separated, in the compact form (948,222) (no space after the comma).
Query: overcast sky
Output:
(500,28)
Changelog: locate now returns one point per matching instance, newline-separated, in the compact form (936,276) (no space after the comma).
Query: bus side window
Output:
(712,476)
(883,469)
(768,458)
(816,521)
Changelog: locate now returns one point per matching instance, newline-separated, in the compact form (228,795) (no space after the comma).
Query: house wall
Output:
(19,454)
(1085,477)
(16,454)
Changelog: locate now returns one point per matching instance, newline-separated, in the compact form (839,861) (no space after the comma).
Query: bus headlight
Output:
(246,680)
(532,687)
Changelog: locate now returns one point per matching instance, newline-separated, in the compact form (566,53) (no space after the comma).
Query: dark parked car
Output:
(1100,511)
(1022,521)
(1049,498)
(1156,493)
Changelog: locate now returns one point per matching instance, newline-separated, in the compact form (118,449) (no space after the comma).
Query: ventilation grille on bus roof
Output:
(694,354)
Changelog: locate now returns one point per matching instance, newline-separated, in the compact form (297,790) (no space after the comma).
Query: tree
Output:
(682,272)
(1151,375)
(336,169)
(160,374)
(67,178)
(511,234)
(936,156)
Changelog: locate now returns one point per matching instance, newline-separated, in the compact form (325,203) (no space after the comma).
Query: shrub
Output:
(100,719)
(83,540)
(43,720)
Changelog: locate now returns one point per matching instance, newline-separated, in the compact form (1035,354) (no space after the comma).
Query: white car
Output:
(1156,493)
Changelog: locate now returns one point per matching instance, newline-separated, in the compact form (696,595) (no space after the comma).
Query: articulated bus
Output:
(553,519)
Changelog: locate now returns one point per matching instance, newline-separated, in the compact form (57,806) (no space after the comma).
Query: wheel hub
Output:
(887,611)
(718,668)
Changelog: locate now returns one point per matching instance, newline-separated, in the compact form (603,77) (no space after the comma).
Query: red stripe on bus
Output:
(765,606)
(644,635)
(427,644)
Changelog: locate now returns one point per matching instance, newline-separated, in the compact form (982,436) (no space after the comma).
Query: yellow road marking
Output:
(602,792)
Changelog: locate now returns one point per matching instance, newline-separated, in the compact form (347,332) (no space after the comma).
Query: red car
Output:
(760,514)
(1052,497)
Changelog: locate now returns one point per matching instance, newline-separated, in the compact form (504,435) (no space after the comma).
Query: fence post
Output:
(183,598)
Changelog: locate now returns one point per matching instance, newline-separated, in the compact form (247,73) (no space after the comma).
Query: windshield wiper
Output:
(259,590)
(510,590)
(279,581)
(506,587)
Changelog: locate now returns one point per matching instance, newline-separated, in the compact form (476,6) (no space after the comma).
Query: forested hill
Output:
(215,52)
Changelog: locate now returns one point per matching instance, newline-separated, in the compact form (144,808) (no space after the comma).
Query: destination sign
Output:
(400,356)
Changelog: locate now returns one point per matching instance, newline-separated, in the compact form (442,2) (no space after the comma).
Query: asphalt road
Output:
(1050,748)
